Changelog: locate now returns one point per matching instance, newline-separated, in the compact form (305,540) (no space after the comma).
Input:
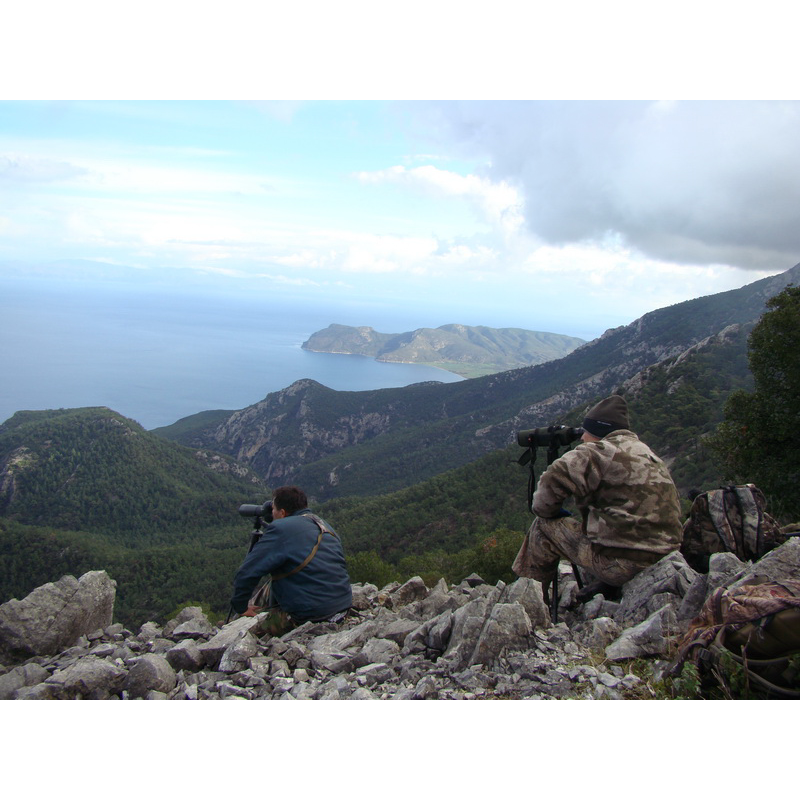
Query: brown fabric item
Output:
(624,492)
(730,519)
(732,609)
(550,540)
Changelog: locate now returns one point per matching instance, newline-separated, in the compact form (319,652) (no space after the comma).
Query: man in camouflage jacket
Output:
(630,512)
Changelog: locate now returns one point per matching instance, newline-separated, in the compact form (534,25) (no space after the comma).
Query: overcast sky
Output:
(567,215)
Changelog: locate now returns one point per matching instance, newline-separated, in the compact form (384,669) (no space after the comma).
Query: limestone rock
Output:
(782,563)
(413,589)
(55,616)
(666,581)
(468,641)
(185,655)
(648,638)
(150,673)
(90,677)
(20,677)
(213,649)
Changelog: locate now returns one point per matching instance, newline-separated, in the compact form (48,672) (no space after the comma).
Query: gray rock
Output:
(21,677)
(508,627)
(671,576)
(41,691)
(470,641)
(186,656)
(326,661)
(213,649)
(55,616)
(150,673)
(780,564)
(398,630)
(468,622)
(375,673)
(238,653)
(363,596)
(148,632)
(601,633)
(528,593)
(90,677)
(413,589)
(196,628)
(432,634)
(439,600)
(648,638)
(723,569)
(379,651)
(184,615)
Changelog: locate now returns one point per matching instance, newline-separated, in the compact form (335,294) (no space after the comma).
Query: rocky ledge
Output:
(403,642)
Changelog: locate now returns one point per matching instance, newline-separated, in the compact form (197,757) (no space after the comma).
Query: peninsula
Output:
(469,351)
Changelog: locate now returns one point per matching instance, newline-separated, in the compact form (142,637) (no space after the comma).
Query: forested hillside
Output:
(672,406)
(357,443)
(84,489)
(92,469)
(88,489)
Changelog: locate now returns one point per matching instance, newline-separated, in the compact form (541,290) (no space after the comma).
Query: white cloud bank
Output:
(684,182)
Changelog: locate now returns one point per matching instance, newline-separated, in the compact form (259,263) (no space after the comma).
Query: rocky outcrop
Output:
(56,615)
(404,642)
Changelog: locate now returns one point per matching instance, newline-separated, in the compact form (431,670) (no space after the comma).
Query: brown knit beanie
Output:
(608,415)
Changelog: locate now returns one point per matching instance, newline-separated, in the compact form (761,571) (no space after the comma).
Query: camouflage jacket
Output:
(625,493)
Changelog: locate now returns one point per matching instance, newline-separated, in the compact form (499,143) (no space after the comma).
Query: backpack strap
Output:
(323,529)
(751,520)
(716,510)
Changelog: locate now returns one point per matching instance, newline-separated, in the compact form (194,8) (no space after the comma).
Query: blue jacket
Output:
(319,590)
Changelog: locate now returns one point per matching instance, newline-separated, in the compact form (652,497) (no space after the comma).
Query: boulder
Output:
(213,649)
(89,678)
(649,638)
(150,673)
(186,655)
(20,677)
(413,589)
(55,616)
(665,582)
(782,563)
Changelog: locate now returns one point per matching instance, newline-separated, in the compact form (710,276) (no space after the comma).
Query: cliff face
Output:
(289,428)
(372,442)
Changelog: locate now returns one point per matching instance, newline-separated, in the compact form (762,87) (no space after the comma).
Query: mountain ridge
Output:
(348,443)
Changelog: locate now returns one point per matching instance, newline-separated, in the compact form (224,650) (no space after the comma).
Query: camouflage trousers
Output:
(550,540)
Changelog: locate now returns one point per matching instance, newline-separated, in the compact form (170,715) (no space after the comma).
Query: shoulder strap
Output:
(719,517)
(323,529)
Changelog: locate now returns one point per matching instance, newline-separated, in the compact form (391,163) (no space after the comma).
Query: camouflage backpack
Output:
(730,519)
(745,642)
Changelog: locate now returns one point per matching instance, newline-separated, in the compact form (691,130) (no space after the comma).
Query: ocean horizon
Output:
(159,357)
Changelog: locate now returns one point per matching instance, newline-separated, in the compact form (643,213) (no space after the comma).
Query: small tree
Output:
(758,441)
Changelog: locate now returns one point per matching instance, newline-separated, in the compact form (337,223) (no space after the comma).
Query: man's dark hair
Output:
(290,499)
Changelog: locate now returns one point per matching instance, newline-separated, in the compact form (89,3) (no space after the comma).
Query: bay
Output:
(157,357)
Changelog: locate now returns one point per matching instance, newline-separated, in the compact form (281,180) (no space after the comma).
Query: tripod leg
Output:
(551,597)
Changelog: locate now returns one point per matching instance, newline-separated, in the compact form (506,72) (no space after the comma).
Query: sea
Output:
(157,357)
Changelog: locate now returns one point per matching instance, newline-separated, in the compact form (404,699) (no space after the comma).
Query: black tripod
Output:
(259,512)
(554,444)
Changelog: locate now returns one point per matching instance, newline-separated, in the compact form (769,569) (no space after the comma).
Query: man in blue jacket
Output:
(303,556)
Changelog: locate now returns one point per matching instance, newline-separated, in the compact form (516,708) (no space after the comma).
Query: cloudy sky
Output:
(572,215)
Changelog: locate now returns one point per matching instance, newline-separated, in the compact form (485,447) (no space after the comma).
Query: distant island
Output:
(469,351)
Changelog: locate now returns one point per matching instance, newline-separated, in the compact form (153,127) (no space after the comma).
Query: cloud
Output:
(27,169)
(498,202)
(690,182)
